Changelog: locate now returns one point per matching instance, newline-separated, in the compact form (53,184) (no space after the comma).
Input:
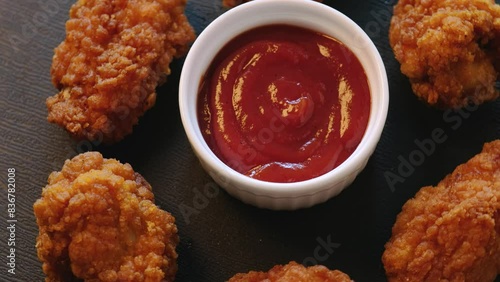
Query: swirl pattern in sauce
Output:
(284,104)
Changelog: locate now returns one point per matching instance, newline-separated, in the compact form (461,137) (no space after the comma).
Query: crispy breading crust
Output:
(114,55)
(451,232)
(98,222)
(293,272)
(450,49)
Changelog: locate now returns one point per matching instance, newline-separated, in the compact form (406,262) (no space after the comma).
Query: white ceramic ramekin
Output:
(302,13)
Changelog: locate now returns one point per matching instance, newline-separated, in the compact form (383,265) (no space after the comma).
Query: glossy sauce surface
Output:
(284,104)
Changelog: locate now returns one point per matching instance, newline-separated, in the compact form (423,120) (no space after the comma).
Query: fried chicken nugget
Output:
(234,3)
(114,55)
(293,272)
(451,232)
(98,222)
(449,49)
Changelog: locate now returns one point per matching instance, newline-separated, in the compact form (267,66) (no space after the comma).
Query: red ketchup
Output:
(284,104)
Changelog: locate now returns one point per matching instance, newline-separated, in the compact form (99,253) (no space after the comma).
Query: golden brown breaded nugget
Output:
(450,49)
(451,232)
(98,222)
(293,272)
(114,55)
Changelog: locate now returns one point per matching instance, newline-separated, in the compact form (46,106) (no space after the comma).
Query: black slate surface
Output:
(223,236)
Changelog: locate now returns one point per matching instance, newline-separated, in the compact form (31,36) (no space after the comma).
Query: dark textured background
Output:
(225,236)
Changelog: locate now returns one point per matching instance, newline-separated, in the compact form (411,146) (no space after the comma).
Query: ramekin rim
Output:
(302,188)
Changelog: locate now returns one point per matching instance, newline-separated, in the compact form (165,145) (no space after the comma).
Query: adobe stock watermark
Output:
(31,28)
(426,147)
(200,201)
(86,145)
(265,136)
(322,251)
(381,20)
(379,23)
(202,196)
